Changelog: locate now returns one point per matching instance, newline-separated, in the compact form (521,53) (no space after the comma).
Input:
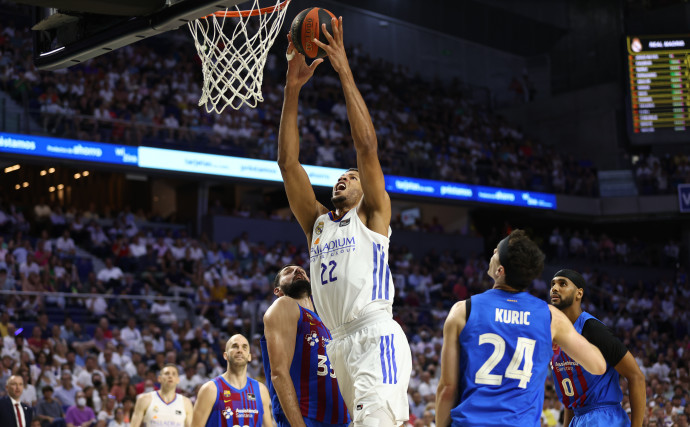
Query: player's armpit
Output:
(582,351)
(204,404)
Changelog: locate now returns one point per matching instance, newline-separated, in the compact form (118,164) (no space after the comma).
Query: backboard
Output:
(67,32)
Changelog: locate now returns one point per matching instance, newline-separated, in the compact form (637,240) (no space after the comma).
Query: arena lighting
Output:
(60,186)
(85,173)
(51,189)
(17,187)
(11,168)
(25,184)
(77,175)
(51,170)
(44,172)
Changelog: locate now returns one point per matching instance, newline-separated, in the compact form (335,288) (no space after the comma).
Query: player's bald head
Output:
(237,338)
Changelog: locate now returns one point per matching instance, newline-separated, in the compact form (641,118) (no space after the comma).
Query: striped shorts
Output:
(373,364)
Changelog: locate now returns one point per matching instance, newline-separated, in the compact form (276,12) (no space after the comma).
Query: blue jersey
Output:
(314,380)
(577,388)
(235,407)
(505,348)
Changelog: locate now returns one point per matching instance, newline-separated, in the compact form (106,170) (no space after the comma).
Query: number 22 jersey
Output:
(350,276)
(505,349)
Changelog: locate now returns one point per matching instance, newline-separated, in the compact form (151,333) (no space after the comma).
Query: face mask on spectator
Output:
(81,401)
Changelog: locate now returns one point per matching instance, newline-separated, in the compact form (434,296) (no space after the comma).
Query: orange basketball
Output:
(307,26)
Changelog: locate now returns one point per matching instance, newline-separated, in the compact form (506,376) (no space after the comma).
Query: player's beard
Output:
(297,289)
(565,302)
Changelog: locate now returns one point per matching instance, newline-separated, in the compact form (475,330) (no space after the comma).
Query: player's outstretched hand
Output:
(335,47)
(298,72)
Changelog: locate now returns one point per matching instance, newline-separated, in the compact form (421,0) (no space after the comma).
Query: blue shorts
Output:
(282,421)
(604,416)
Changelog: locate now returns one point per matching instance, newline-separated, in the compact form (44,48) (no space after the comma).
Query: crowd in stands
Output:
(147,93)
(661,175)
(628,250)
(113,351)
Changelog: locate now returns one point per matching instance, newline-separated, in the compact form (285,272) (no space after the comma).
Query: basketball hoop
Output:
(232,62)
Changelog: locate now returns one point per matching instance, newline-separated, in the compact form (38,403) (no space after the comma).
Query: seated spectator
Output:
(107,412)
(65,246)
(48,410)
(67,392)
(80,415)
(161,310)
(110,275)
(119,419)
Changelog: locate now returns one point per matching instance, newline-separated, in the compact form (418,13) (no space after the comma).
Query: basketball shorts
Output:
(372,361)
(282,421)
(603,416)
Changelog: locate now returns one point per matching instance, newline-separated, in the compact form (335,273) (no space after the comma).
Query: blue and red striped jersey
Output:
(314,380)
(235,407)
(578,388)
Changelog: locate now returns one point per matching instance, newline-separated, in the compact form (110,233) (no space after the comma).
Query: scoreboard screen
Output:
(659,94)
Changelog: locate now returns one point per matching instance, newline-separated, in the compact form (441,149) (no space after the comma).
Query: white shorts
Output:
(372,362)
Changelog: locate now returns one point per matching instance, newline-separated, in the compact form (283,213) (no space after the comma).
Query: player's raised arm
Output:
(280,327)
(299,191)
(447,392)
(204,404)
(376,201)
(574,344)
(143,402)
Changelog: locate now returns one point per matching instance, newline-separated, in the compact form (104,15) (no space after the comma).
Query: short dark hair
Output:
(47,388)
(170,365)
(276,280)
(352,170)
(524,261)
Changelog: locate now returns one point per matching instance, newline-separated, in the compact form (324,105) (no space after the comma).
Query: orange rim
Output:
(246,13)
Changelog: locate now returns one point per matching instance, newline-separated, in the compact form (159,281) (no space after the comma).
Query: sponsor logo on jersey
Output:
(360,407)
(312,339)
(344,222)
(178,412)
(227,413)
(334,247)
(250,396)
(319,228)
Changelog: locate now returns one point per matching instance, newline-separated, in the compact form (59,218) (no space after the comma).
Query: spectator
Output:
(48,410)
(65,245)
(119,419)
(67,391)
(80,415)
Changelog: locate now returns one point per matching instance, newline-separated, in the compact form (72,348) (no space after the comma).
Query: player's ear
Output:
(276,292)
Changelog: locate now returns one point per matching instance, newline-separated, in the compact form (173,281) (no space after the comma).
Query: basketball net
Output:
(233,56)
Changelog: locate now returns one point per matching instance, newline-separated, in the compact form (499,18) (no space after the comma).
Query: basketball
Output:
(307,26)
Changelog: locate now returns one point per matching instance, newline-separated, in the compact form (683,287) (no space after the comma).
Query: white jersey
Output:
(350,276)
(161,414)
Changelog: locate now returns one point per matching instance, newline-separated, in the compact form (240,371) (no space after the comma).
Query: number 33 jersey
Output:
(315,384)
(350,276)
(505,350)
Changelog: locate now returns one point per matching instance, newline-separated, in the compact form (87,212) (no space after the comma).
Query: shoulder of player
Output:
(282,310)
(208,388)
(144,398)
(263,389)
(456,315)
(185,400)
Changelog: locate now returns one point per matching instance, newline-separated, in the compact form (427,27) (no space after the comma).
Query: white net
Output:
(233,47)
